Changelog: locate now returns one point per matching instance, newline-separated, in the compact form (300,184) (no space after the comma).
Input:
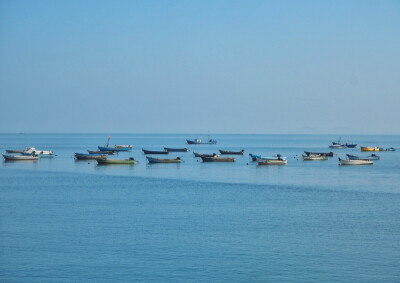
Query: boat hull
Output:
(20,157)
(176,149)
(227,152)
(329,154)
(159,160)
(83,156)
(217,159)
(271,162)
(370,148)
(154,152)
(197,141)
(355,162)
(101,161)
(101,152)
(314,158)
(105,148)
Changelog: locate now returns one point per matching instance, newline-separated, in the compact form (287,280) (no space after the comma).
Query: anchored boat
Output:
(329,154)
(370,148)
(155,151)
(129,161)
(217,159)
(176,149)
(271,161)
(159,160)
(85,156)
(101,152)
(227,152)
(199,141)
(314,157)
(8,157)
(206,155)
(355,162)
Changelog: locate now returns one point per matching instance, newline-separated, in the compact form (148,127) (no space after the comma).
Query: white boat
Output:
(32,150)
(355,162)
(123,146)
(314,157)
(271,161)
(8,157)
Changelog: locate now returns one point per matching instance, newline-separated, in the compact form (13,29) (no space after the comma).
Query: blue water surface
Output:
(66,220)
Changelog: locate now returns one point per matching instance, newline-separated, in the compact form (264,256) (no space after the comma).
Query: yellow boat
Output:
(370,148)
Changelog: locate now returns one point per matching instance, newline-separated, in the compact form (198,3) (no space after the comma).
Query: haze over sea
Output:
(67,220)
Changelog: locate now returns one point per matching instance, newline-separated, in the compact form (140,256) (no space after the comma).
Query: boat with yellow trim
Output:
(370,148)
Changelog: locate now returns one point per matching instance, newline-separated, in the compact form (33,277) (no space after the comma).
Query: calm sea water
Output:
(67,220)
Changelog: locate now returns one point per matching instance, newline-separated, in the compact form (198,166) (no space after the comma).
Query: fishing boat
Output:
(254,157)
(199,141)
(101,152)
(329,154)
(217,159)
(176,149)
(370,148)
(124,146)
(37,152)
(155,151)
(203,154)
(350,145)
(159,160)
(272,161)
(371,157)
(8,157)
(107,147)
(15,150)
(314,157)
(227,152)
(102,161)
(85,156)
(355,162)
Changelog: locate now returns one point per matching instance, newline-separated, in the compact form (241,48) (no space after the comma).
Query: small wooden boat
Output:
(199,141)
(107,148)
(314,157)
(254,157)
(84,156)
(371,157)
(159,160)
(102,161)
(8,157)
(217,159)
(124,146)
(15,150)
(101,152)
(206,155)
(116,148)
(370,148)
(329,154)
(227,152)
(176,149)
(155,151)
(355,162)
(37,152)
(271,161)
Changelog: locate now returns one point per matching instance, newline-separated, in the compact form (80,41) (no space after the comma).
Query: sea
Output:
(64,220)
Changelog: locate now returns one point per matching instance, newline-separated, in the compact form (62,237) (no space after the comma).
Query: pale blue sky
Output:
(198,66)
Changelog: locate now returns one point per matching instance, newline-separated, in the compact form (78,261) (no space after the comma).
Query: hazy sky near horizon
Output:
(198,66)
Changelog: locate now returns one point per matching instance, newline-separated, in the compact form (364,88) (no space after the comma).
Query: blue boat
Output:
(254,157)
(107,148)
(199,141)
(350,145)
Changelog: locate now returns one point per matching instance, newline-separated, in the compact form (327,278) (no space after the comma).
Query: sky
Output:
(200,66)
